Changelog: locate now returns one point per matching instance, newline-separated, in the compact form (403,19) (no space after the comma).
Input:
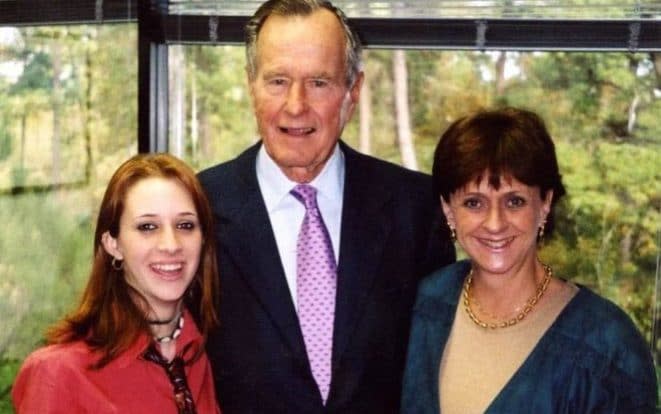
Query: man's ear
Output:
(250,83)
(110,245)
(354,91)
(352,95)
(449,216)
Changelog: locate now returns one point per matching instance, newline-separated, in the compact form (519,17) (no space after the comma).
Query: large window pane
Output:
(210,117)
(68,100)
(601,108)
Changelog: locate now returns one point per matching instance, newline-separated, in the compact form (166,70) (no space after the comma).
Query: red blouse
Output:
(55,379)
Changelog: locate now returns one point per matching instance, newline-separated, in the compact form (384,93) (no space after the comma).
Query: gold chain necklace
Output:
(527,308)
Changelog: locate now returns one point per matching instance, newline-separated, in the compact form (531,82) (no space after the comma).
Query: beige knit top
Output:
(478,362)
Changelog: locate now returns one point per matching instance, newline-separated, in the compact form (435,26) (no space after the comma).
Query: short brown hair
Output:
(504,142)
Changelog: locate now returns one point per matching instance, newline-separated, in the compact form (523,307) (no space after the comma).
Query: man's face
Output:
(299,93)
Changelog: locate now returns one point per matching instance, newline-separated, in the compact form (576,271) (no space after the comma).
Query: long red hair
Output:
(109,318)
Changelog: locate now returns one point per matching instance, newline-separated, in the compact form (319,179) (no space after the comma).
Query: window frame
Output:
(157,29)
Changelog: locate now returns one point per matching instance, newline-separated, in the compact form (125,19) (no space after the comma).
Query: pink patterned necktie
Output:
(316,280)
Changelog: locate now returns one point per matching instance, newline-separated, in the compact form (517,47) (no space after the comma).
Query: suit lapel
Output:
(251,245)
(365,227)
(248,238)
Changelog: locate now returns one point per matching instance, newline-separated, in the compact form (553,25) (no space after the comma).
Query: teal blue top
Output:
(591,360)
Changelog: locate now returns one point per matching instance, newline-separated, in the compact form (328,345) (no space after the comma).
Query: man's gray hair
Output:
(286,8)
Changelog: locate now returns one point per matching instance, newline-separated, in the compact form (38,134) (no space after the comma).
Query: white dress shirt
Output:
(286,212)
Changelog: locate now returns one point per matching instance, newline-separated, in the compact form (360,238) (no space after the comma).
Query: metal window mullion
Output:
(158,89)
(152,81)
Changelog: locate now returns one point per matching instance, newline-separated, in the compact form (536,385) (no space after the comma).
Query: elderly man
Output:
(320,248)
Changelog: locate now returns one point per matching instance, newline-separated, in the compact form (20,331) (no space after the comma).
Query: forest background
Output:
(68,118)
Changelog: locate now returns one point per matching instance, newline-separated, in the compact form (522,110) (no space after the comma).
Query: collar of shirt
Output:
(275,186)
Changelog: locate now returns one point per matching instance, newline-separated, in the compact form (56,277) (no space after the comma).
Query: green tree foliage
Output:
(44,264)
(110,88)
(45,251)
(5,138)
(216,79)
(37,74)
(8,370)
(601,109)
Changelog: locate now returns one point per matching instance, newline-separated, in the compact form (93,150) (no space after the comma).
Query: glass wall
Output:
(601,108)
(68,118)
(68,98)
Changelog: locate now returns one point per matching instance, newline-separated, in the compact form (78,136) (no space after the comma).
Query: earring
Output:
(540,233)
(453,234)
(116,264)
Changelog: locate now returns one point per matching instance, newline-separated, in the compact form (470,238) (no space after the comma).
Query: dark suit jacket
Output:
(258,354)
